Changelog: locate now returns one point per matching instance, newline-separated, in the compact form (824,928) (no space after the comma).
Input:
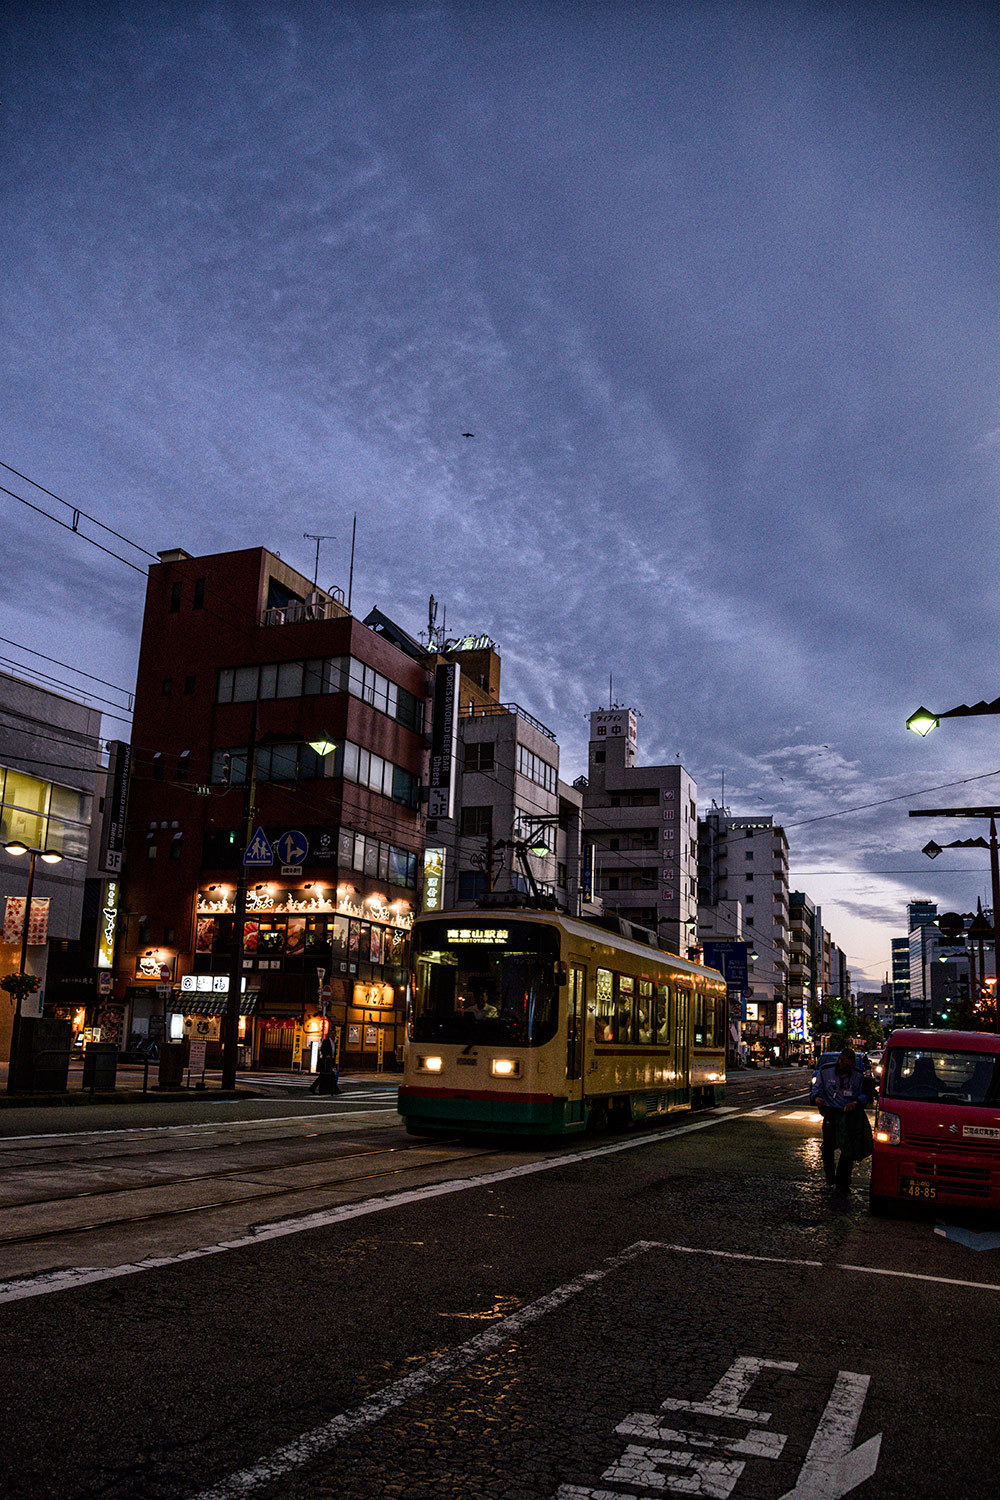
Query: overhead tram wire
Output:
(241,630)
(54,660)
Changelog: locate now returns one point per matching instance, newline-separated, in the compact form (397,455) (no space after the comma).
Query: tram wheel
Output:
(598,1119)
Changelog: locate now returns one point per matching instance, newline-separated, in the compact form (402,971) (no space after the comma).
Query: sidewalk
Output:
(134,1081)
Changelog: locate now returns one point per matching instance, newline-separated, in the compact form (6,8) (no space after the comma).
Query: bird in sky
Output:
(468,434)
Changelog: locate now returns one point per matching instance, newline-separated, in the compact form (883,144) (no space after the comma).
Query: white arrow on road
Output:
(832,1467)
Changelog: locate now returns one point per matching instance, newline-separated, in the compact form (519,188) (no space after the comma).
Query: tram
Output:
(537,1023)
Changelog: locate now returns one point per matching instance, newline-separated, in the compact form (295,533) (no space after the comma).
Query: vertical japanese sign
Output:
(444,742)
(106,924)
(115,808)
(434,861)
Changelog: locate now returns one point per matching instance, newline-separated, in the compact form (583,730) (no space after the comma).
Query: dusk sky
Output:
(714,286)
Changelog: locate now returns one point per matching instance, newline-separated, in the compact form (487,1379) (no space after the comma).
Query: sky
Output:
(714,286)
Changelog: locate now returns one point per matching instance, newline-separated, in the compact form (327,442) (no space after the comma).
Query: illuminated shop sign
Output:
(107,925)
(370,995)
(316,899)
(434,860)
(207,984)
(477,934)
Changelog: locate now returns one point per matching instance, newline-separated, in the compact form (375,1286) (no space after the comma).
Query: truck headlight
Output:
(887,1128)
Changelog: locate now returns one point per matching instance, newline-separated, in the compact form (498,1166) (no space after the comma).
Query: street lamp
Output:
(924,720)
(48,857)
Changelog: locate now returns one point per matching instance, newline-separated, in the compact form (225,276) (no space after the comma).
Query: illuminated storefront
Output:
(312,953)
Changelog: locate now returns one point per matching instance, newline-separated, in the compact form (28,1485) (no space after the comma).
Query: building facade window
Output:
(536,769)
(175,597)
(477,822)
(317,676)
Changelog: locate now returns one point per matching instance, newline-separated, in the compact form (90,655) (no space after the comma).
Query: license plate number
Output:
(915,1187)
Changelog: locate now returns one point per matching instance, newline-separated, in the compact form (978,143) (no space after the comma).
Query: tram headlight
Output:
(505,1067)
(429,1064)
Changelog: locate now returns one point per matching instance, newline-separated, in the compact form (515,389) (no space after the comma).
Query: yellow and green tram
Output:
(534,1022)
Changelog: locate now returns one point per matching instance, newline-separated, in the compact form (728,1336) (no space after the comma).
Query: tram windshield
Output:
(483,981)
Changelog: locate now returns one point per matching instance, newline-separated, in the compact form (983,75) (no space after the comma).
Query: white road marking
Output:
(832,1467)
(322,1439)
(724,1399)
(981,1286)
(712,1477)
(756,1444)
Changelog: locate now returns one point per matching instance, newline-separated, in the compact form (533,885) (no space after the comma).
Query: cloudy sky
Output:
(714,286)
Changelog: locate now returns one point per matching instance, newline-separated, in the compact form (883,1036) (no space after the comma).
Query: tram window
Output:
(699,1020)
(605,1006)
(662,1015)
(644,1011)
(625,1026)
(485,984)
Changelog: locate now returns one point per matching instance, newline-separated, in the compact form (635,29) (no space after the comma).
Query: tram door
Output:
(576,1011)
(682,1050)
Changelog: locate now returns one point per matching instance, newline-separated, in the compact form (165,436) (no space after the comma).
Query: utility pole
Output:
(231,1034)
(350,579)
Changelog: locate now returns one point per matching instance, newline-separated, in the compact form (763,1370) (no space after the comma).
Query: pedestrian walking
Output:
(327,1073)
(840,1093)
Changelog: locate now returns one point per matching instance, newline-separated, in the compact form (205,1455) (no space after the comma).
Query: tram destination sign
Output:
(478,934)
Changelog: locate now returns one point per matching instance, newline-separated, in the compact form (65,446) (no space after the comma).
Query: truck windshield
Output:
(485,981)
(933,1076)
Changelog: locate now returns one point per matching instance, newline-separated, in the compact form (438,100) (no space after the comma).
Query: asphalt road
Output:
(675,1311)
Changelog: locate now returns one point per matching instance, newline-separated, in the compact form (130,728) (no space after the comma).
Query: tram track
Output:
(751,1098)
(182,1179)
(177,1212)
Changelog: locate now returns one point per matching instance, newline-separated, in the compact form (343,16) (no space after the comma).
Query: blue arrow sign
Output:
(258,851)
(292,847)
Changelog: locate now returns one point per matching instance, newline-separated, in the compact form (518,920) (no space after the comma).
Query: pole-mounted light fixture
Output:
(922,722)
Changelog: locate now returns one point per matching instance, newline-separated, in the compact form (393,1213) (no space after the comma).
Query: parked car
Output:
(937,1122)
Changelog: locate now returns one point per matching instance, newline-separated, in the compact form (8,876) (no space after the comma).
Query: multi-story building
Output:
(923,949)
(642,824)
(268,717)
(49,752)
(747,859)
(803,976)
(901,981)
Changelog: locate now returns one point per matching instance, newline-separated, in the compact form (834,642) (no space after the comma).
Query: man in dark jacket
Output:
(840,1092)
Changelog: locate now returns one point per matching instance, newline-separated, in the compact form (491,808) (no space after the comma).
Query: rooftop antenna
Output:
(350,580)
(312,537)
(611,690)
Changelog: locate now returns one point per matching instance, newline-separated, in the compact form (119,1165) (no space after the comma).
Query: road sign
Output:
(258,851)
(292,847)
(291,869)
(163,990)
(105,982)
(164,971)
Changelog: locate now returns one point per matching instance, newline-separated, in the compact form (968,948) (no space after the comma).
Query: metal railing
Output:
(490,710)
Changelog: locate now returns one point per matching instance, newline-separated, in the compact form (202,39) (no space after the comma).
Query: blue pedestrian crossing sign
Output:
(292,847)
(258,851)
